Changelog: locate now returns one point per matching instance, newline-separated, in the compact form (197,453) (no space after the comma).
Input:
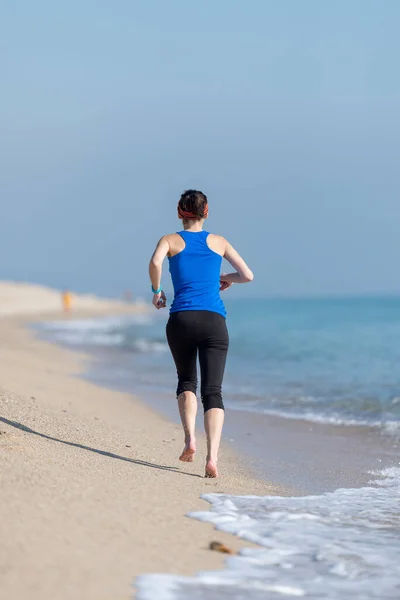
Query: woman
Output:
(197,326)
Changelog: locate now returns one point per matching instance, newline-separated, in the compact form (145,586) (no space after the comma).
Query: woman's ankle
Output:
(212,458)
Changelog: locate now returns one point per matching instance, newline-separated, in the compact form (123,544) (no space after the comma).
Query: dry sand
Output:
(92,493)
(30,299)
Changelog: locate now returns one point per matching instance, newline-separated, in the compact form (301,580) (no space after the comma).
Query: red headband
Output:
(184,214)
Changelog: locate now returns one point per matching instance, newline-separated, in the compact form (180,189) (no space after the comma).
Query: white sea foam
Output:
(101,323)
(104,331)
(389,426)
(146,346)
(336,546)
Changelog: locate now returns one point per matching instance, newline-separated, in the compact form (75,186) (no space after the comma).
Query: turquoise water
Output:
(331,360)
(328,360)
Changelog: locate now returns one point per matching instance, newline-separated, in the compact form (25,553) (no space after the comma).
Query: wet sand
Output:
(311,458)
(92,493)
(305,457)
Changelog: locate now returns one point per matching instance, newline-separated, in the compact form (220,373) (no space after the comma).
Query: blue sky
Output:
(286,114)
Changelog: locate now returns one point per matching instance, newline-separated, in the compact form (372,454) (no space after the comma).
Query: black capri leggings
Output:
(204,333)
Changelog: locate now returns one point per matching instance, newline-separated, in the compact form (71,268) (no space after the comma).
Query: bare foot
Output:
(188,452)
(211,469)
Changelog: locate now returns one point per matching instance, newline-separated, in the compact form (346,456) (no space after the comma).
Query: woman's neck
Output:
(193,225)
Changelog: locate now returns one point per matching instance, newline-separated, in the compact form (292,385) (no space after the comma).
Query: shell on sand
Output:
(218,547)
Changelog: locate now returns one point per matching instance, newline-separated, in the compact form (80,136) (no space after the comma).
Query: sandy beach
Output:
(92,493)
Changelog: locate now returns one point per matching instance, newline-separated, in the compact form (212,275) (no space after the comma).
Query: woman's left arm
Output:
(155,271)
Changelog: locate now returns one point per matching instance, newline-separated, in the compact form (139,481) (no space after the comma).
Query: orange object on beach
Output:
(66,301)
(218,547)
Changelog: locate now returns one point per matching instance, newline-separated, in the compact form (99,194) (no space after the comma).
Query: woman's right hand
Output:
(224,282)
(159,300)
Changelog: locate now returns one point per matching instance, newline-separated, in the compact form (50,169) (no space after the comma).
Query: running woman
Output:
(197,322)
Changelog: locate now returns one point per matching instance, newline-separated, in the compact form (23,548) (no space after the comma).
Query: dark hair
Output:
(194,202)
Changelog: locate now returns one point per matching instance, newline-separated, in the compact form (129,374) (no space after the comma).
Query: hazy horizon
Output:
(287,115)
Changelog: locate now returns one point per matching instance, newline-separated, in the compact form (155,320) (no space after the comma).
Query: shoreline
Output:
(93,493)
(304,457)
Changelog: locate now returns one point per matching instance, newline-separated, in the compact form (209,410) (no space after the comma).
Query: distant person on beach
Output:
(127,296)
(197,322)
(66,301)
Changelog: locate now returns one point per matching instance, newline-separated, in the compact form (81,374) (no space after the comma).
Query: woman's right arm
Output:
(155,272)
(243,273)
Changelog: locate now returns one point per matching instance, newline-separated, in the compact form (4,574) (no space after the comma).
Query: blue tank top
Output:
(195,275)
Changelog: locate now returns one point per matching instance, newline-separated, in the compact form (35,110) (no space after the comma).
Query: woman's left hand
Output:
(160,300)
(224,282)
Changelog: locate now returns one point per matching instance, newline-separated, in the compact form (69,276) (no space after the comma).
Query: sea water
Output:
(327,360)
(336,546)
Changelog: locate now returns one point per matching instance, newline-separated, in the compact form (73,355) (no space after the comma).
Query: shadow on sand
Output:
(135,461)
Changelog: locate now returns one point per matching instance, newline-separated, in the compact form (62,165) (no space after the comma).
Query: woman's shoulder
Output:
(216,236)
(217,243)
(175,242)
(171,238)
